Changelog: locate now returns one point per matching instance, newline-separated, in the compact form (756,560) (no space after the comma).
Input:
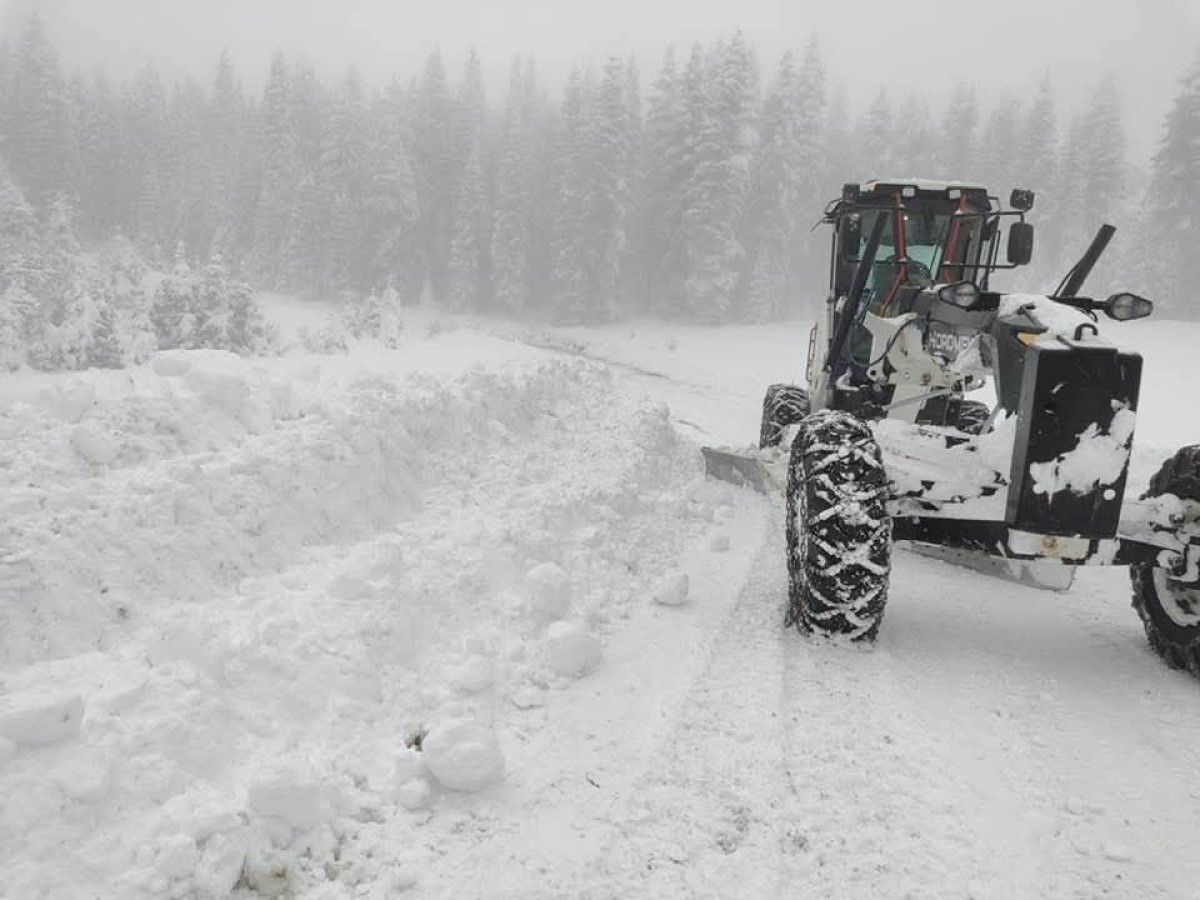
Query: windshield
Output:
(943,246)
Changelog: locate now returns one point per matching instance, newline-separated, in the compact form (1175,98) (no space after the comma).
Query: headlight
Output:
(963,295)
(1126,306)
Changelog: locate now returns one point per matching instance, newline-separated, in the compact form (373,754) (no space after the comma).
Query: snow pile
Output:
(215,639)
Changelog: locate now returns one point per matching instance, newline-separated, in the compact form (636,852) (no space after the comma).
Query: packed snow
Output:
(463,618)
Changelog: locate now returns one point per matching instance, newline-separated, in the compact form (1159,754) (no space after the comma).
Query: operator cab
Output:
(933,233)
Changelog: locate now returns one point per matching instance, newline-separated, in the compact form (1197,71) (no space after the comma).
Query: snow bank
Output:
(218,639)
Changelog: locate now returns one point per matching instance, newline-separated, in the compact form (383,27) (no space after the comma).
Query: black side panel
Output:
(1066,388)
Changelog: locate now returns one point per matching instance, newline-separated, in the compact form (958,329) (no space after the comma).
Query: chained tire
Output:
(839,533)
(783,405)
(972,416)
(1170,609)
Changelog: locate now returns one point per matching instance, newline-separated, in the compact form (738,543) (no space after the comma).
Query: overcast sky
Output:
(906,44)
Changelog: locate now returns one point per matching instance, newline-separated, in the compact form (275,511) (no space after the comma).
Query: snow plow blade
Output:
(1042,575)
(762,473)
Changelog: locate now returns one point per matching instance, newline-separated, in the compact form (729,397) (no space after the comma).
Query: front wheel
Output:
(783,405)
(839,533)
(1169,608)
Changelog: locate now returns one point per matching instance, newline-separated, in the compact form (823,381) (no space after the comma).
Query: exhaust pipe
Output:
(1073,282)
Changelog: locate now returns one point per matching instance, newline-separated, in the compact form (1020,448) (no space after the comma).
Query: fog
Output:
(923,46)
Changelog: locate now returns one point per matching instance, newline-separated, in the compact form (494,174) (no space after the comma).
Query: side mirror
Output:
(1126,306)
(850,235)
(1020,243)
(1021,199)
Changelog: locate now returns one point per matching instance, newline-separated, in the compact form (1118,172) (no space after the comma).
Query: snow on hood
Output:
(1057,317)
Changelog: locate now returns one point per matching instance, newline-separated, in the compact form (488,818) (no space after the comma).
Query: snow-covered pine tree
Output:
(39,140)
(958,135)
(511,223)
(171,311)
(997,163)
(815,180)
(1037,169)
(273,210)
(607,134)
(569,297)
(719,95)
(658,218)
(1104,167)
(211,307)
(468,274)
(106,186)
(469,264)
(107,348)
(876,140)
(1170,232)
(147,127)
(431,149)
(392,238)
(769,229)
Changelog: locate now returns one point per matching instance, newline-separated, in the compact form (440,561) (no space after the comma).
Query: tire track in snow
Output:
(966,754)
(599,737)
(707,819)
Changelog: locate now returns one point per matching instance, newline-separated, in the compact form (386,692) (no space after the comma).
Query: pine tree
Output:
(1171,227)
(273,211)
(40,139)
(719,96)
(172,311)
(569,237)
(469,265)
(769,233)
(106,350)
(876,140)
(996,165)
(511,238)
(958,135)
(391,229)
(660,260)
(431,150)
(815,179)
(607,135)
(105,186)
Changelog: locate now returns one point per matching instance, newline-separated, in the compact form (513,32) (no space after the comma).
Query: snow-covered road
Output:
(231,595)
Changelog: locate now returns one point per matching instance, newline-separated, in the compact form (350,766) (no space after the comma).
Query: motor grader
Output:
(989,429)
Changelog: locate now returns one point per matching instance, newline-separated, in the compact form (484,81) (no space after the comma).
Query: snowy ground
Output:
(233,594)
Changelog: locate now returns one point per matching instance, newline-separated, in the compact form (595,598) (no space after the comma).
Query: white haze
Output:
(916,45)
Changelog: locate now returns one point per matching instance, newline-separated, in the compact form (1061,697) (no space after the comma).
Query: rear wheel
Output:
(839,534)
(972,416)
(783,405)
(1169,608)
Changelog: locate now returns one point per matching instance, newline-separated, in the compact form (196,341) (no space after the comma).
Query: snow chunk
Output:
(473,676)
(93,444)
(1117,852)
(549,592)
(220,864)
(36,719)
(672,590)
(463,755)
(290,797)
(413,794)
(570,649)
(408,766)
(177,856)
